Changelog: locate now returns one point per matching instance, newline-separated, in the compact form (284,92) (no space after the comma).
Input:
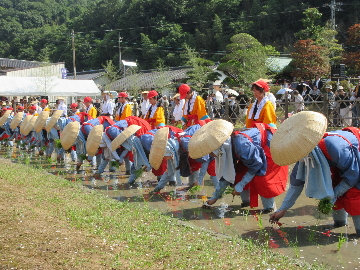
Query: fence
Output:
(236,113)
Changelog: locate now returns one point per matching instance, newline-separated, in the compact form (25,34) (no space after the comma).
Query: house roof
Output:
(149,80)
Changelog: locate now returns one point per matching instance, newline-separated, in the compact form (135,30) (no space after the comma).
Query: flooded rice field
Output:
(303,233)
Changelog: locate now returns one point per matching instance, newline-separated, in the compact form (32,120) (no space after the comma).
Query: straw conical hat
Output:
(94,139)
(24,123)
(297,136)
(16,120)
(209,138)
(69,134)
(5,117)
(157,150)
(123,136)
(51,123)
(41,121)
(30,125)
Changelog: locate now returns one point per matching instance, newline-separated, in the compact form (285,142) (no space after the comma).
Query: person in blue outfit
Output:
(242,162)
(330,170)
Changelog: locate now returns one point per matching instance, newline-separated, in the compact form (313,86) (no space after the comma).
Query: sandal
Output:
(207,206)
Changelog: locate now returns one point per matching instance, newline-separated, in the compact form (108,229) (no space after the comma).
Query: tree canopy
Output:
(153,29)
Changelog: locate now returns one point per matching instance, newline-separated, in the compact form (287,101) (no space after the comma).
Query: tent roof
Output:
(46,86)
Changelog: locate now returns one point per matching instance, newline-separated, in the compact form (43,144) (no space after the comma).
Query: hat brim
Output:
(30,125)
(69,134)
(157,151)
(41,121)
(16,120)
(209,138)
(24,123)
(123,136)
(94,139)
(51,123)
(5,117)
(297,136)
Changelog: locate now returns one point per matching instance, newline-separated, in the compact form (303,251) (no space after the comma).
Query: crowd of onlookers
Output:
(343,104)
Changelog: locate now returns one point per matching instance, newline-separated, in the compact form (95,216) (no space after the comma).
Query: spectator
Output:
(331,98)
(344,108)
(299,101)
(243,101)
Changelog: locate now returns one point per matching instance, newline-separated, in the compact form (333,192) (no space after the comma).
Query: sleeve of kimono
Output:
(252,156)
(267,114)
(127,111)
(159,117)
(200,108)
(93,112)
(248,122)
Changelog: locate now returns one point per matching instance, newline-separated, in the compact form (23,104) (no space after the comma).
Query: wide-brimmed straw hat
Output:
(94,139)
(157,150)
(297,136)
(51,123)
(209,138)
(24,123)
(41,121)
(107,93)
(69,134)
(16,120)
(30,125)
(123,136)
(5,117)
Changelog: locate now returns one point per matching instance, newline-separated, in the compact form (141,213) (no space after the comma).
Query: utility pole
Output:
(120,63)
(73,49)
(334,6)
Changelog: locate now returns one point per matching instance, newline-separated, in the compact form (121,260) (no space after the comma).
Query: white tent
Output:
(46,86)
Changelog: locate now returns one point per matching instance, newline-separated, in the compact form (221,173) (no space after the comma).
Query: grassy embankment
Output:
(50,223)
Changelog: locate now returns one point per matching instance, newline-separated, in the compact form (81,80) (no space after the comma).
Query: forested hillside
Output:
(152,29)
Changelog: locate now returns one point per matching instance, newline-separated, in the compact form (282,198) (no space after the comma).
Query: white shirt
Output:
(62,106)
(38,109)
(177,113)
(108,107)
(144,107)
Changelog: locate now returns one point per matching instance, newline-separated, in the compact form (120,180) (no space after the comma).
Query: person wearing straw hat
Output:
(145,104)
(254,172)
(124,108)
(155,115)
(5,131)
(165,148)
(189,167)
(114,155)
(40,134)
(262,110)
(194,107)
(327,165)
(53,134)
(74,109)
(62,106)
(108,106)
(178,109)
(89,108)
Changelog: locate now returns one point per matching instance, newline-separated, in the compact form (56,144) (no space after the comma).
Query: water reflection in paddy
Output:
(303,232)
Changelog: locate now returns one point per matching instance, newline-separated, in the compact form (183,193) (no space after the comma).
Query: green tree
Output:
(247,59)
(311,24)
(201,72)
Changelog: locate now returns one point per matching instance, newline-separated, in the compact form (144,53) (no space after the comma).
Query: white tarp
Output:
(46,86)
